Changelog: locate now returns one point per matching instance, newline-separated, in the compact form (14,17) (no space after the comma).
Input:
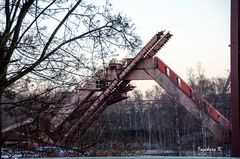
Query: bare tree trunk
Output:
(1,106)
(177,129)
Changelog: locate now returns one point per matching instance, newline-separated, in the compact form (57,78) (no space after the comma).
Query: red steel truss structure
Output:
(111,85)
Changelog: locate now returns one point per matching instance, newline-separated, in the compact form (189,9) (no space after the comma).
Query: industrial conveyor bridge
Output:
(111,85)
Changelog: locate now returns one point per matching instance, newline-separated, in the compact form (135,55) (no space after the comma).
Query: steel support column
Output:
(235,108)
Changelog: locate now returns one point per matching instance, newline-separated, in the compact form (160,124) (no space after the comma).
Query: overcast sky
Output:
(200,28)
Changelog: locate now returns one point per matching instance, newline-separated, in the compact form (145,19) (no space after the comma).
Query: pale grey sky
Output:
(200,28)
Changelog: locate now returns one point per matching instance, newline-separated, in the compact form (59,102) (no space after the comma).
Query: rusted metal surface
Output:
(150,49)
(17,125)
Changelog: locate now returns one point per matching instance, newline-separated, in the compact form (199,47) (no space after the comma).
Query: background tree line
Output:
(146,121)
(155,121)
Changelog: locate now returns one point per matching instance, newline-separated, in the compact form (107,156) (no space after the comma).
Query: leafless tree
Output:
(48,45)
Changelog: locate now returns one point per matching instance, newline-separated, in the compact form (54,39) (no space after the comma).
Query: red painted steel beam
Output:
(235,108)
